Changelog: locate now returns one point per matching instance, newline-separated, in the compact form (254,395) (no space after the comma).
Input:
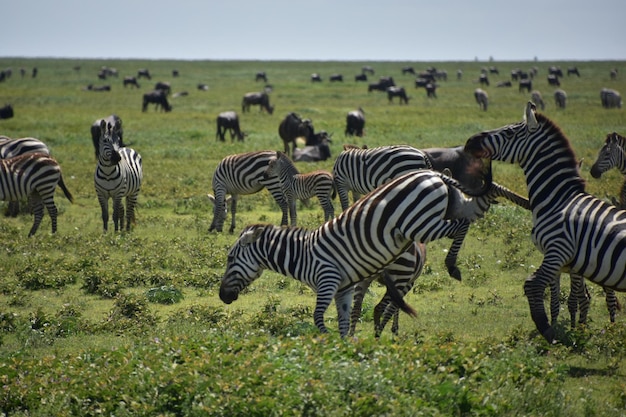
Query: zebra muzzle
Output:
(228,296)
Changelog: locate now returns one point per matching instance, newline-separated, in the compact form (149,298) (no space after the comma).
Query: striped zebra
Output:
(353,246)
(362,170)
(118,175)
(295,186)
(10,148)
(241,174)
(36,176)
(403,272)
(574,230)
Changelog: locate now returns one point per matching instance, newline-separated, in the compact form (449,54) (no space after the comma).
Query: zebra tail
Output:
(67,193)
(396,297)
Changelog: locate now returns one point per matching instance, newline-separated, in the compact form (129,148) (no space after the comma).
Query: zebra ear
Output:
(530,116)
(251,235)
(447,172)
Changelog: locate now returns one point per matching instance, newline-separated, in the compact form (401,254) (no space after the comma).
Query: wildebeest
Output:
(553,80)
(408,70)
(525,84)
(96,131)
(163,86)
(463,166)
(260,99)
(483,79)
(481,98)
(6,112)
(143,73)
(132,81)
(159,98)
(536,98)
(360,77)
(261,76)
(399,92)
(316,78)
(175,73)
(367,69)
(228,121)
(98,88)
(313,153)
(293,127)
(555,71)
(355,123)
(336,77)
(573,70)
(422,82)
(431,90)
(560,98)
(614,74)
(203,87)
(610,98)
(504,84)
(382,84)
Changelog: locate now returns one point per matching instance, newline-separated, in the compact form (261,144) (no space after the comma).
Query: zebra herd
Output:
(28,172)
(407,204)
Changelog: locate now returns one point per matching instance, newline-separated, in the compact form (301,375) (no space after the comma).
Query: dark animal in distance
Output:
(355,123)
(504,84)
(158,98)
(536,98)
(114,120)
(553,80)
(408,70)
(293,127)
(143,73)
(483,79)
(397,92)
(313,153)
(163,86)
(360,77)
(382,84)
(610,98)
(481,98)
(560,98)
(260,99)
(525,84)
(98,88)
(228,121)
(367,69)
(6,112)
(316,78)
(261,76)
(336,77)
(132,81)
(573,71)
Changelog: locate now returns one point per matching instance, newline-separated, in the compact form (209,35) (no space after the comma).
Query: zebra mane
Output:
(555,133)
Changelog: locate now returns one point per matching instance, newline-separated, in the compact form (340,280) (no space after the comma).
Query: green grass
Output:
(82,334)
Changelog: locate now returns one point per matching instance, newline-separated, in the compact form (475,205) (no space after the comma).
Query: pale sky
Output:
(335,30)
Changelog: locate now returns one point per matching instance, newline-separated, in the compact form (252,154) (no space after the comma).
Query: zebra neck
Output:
(552,184)
(286,250)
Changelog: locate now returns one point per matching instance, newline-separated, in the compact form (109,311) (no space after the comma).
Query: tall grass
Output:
(76,306)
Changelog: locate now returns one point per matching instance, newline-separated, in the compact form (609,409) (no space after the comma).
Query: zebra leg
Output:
(343,301)
(104,207)
(612,304)
(458,236)
(131,202)
(534,289)
(38,212)
(359,294)
(325,293)
(378,313)
(555,302)
(52,212)
(293,214)
(327,206)
(233,209)
(118,213)
(578,297)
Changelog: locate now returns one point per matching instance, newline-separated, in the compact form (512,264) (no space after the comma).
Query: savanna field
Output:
(131,324)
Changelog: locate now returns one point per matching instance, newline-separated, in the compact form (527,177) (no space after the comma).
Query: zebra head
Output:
(508,143)
(243,265)
(109,143)
(609,155)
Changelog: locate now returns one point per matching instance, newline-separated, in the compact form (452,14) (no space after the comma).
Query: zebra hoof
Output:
(455,273)
(550,335)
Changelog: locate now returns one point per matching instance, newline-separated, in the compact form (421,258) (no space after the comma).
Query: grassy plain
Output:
(80,336)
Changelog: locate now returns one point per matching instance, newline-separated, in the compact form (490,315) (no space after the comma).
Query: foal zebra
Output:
(358,243)
(33,175)
(296,186)
(119,174)
(574,230)
(242,174)
(10,148)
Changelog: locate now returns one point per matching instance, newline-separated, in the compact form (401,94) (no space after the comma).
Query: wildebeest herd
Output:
(410,197)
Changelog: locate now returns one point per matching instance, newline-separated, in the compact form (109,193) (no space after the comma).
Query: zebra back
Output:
(10,148)
(362,170)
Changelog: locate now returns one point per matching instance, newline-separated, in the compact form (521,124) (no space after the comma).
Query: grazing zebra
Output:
(296,186)
(560,98)
(574,230)
(403,272)
(10,148)
(36,176)
(353,246)
(362,170)
(118,174)
(241,174)
(536,98)
(481,98)
(610,98)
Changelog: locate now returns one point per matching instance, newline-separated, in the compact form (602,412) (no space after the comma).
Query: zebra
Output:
(560,98)
(119,174)
(241,174)
(403,272)
(361,170)
(353,246)
(482,98)
(33,175)
(10,148)
(302,186)
(574,230)
(537,98)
